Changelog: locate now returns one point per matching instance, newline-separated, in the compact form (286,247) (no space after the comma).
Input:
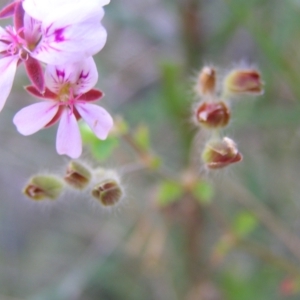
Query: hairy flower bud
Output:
(213,114)
(42,187)
(77,175)
(243,81)
(108,190)
(206,81)
(218,154)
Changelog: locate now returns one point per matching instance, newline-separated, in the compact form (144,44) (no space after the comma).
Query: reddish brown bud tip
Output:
(108,193)
(42,187)
(213,114)
(8,10)
(289,286)
(206,81)
(243,82)
(218,154)
(77,175)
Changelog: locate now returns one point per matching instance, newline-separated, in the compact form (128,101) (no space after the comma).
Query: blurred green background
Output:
(246,235)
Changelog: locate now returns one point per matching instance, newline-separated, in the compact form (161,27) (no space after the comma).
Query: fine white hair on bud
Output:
(243,81)
(41,187)
(206,81)
(220,153)
(78,175)
(212,115)
(107,189)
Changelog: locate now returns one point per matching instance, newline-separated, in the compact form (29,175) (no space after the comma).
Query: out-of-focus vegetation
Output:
(239,240)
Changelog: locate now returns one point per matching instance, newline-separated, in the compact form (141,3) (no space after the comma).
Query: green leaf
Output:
(203,191)
(176,101)
(103,149)
(141,137)
(169,192)
(155,163)
(244,224)
(87,134)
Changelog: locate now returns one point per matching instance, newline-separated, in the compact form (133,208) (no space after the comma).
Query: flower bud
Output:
(206,81)
(213,114)
(41,187)
(108,190)
(218,154)
(77,175)
(243,81)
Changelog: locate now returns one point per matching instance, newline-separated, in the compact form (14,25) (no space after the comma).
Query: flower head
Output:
(67,30)
(77,175)
(108,190)
(243,81)
(53,32)
(67,97)
(213,114)
(206,83)
(218,154)
(42,187)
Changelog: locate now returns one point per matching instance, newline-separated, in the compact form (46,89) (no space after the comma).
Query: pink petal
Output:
(86,75)
(8,10)
(34,117)
(34,92)
(56,117)
(19,18)
(62,9)
(8,67)
(61,45)
(68,139)
(91,95)
(98,119)
(32,30)
(4,38)
(57,76)
(70,29)
(35,73)
(82,75)
(80,12)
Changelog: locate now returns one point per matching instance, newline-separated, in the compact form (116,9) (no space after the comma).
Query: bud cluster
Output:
(213,113)
(102,184)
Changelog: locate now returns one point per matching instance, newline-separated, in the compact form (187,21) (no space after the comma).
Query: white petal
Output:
(86,77)
(68,139)
(41,9)
(32,29)
(76,13)
(104,2)
(57,76)
(82,76)
(98,119)
(34,117)
(37,9)
(8,67)
(4,36)
(70,44)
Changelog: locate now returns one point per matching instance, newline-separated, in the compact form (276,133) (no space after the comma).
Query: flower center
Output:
(67,98)
(15,44)
(65,92)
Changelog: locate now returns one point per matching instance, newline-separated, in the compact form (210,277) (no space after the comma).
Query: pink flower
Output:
(68,95)
(68,30)
(53,32)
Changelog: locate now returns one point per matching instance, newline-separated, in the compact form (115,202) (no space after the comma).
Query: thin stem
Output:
(251,247)
(271,222)
(191,31)
(266,255)
(147,158)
